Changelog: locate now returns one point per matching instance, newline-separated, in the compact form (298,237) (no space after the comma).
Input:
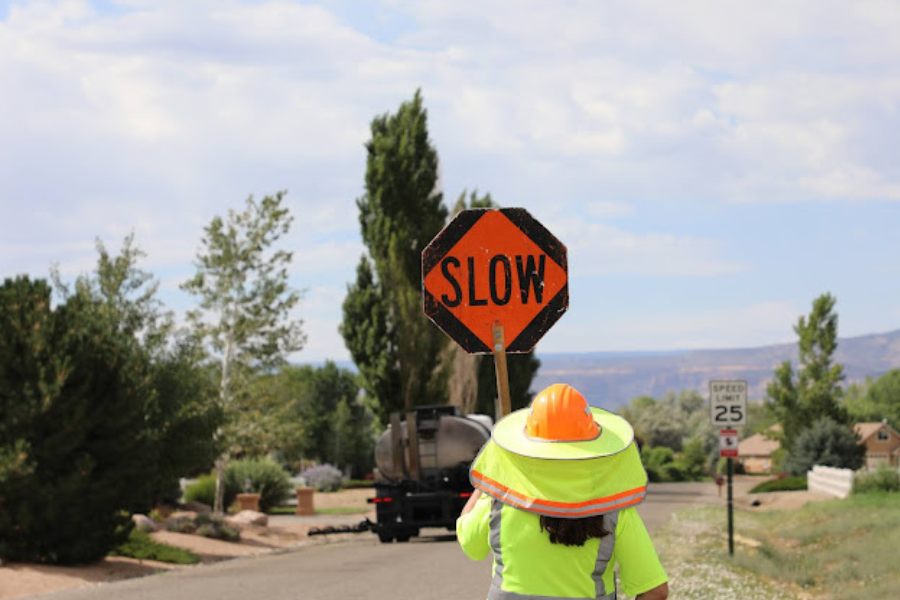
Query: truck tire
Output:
(385,537)
(402,537)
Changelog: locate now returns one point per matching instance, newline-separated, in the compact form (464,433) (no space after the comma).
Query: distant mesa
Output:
(609,379)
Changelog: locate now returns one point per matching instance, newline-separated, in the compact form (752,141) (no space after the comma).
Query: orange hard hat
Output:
(561,414)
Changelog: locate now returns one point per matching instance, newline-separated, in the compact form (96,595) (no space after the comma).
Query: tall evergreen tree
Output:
(73,449)
(396,348)
(814,392)
(521,369)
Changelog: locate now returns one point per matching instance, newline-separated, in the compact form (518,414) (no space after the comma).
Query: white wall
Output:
(831,481)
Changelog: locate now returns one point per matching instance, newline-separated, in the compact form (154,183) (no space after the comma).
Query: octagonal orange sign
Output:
(495,266)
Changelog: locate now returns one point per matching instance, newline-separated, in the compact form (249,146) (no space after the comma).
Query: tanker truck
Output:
(422,475)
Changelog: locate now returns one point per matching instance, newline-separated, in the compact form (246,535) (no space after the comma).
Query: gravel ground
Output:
(694,552)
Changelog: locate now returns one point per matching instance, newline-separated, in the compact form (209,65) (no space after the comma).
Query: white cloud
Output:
(609,210)
(35,259)
(327,257)
(748,103)
(852,181)
(600,249)
(814,132)
(157,115)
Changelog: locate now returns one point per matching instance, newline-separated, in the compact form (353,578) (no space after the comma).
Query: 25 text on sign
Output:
(728,403)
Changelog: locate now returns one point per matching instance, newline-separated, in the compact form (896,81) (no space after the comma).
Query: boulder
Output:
(249,517)
(144,523)
(197,507)
(182,514)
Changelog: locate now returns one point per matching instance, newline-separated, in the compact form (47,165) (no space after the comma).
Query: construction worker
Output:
(556,487)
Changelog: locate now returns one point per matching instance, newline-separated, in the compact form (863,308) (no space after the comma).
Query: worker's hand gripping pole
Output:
(500,367)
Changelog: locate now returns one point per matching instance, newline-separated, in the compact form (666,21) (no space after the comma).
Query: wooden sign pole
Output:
(500,367)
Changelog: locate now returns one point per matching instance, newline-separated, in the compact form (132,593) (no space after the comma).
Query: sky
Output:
(711,165)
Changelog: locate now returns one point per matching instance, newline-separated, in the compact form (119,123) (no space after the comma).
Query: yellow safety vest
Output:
(527,566)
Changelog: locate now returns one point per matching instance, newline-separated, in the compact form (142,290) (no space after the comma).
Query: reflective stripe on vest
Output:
(604,555)
(588,508)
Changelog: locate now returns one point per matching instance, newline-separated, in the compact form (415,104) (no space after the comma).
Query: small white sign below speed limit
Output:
(728,403)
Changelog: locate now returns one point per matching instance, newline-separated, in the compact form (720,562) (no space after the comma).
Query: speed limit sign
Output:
(728,403)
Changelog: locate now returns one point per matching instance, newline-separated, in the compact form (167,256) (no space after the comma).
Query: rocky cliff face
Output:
(610,380)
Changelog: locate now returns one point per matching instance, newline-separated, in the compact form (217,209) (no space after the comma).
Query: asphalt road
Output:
(429,568)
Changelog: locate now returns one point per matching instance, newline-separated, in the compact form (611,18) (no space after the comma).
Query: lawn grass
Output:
(141,546)
(839,548)
(352,484)
(342,510)
(282,510)
(788,484)
(831,549)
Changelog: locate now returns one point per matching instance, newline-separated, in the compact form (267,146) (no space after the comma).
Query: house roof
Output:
(867,430)
(757,445)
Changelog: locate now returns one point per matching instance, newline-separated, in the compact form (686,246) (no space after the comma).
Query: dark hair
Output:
(573,532)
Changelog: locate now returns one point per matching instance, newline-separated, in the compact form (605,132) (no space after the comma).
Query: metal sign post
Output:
(728,449)
(728,409)
(730,510)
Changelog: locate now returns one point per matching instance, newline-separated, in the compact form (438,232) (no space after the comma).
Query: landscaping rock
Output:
(197,507)
(181,522)
(144,523)
(182,514)
(249,517)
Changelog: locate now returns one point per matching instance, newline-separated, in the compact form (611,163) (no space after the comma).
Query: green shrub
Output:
(207,525)
(787,484)
(884,479)
(736,467)
(826,443)
(181,525)
(157,516)
(204,490)
(265,477)
(73,450)
(262,476)
(207,531)
(692,460)
(141,546)
(657,457)
(219,531)
(672,472)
